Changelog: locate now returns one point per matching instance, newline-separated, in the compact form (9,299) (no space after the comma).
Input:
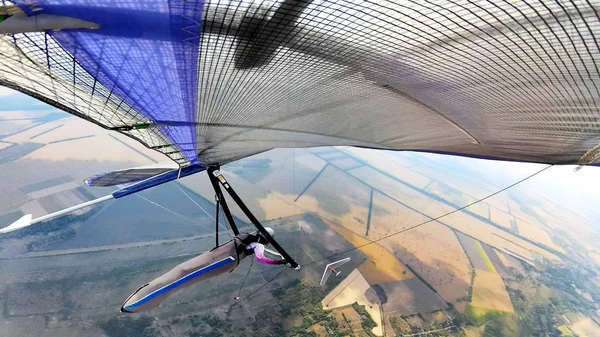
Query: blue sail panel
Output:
(146,53)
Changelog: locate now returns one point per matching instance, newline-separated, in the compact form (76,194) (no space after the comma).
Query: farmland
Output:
(489,292)
(375,207)
(489,298)
(501,218)
(410,297)
(352,290)
(537,234)
(585,327)
(381,265)
(435,254)
(475,252)
(457,197)
(340,198)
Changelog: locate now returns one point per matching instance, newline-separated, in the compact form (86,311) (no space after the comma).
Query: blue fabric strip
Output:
(179,282)
(146,52)
(158,180)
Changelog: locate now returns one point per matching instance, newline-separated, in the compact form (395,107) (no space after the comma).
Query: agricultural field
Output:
(264,205)
(80,140)
(460,221)
(4,145)
(510,261)
(17,151)
(30,134)
(564,331)
(465,181)
(284,171)
(339,197)
(497,263)
(333,154)
(389,216)
(348,318)
(410,297)
(65,163)
(398,191)
(345,163)
(484,257)
(478,257)
(535,233)
(458,198)
(381,265)
(386,164)
(7,128)
(518,213)
(501,218)
(352,290)
(585,327)
(499,202)
(495,237)
(435,254)
(489,298)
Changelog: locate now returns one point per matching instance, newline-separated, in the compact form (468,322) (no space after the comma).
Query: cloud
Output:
(6,91)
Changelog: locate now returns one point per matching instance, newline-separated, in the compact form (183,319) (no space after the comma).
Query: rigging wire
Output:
(163,207)
(401,231)
(177,214)
(184,217)
(192,200)
(436,218)
(259,288)
(244,281)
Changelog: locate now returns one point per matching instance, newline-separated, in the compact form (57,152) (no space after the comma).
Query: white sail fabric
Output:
(222,80)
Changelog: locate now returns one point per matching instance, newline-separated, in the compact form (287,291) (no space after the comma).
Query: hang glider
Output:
(209,82)
(216,178)
(330,268)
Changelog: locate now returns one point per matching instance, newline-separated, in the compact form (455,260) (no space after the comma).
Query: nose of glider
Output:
(132,303)
(271,231)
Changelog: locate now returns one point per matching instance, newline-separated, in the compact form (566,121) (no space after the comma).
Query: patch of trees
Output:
(367,322)
(126,327)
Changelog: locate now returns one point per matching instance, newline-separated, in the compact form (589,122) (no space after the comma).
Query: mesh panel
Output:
(513,80)
(125,176)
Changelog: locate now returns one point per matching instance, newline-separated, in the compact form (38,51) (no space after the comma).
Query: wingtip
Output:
(23,222)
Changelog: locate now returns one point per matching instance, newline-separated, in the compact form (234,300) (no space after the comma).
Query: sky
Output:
(576,190)
(6,92)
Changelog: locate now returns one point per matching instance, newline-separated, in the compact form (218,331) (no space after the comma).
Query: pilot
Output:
(217,261)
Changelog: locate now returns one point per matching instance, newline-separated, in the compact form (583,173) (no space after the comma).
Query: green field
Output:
(484,257)
(564,331)
(478,316)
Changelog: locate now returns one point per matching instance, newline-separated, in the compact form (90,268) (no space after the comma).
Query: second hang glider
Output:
(330,268)
(210,82)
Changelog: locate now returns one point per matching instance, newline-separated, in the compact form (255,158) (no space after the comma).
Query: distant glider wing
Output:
(330,268)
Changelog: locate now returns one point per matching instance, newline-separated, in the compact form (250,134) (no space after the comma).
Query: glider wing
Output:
(210,82)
